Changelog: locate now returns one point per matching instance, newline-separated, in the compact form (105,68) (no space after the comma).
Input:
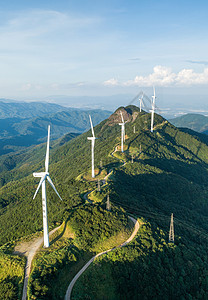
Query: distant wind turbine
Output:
(141,103)
(122,131)
(43,176)
(152,110)
(92,139)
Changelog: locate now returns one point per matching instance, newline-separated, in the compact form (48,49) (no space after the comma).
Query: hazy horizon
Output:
(53,50)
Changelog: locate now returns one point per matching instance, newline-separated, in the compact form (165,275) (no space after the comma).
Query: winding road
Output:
(70,287)
(30,250)
(136,228)
(30,253)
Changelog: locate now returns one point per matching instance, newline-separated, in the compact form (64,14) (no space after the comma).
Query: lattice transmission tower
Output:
(108,206)
(98,185)
(171,233)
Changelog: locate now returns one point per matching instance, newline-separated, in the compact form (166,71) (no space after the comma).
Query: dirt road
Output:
(29,249)
(70,287)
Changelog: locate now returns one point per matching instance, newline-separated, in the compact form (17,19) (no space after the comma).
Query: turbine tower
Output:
(153,110)
(92,139)
(171,233)
(122,131)
(43,176)
(141,103)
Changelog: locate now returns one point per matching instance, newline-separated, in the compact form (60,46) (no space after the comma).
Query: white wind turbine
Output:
(141,103)
(92,139)
(152,110)
(43,176)
(122,131)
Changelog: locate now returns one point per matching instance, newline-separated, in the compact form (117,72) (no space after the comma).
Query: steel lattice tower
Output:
(108,206)
(171,233)
(98,185)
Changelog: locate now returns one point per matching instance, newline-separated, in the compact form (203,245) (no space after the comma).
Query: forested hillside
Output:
(195,122)
(169,174)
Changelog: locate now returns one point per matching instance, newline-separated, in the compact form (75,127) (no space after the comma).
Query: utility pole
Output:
(101,164)
(134,129)
(132,158)
(98,185)
(108,206)
(140,149)
(171,233)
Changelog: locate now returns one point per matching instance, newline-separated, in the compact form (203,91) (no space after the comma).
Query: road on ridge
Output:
(136,228)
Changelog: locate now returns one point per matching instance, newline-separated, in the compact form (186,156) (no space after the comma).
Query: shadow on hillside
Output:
(197,173)
(60,235)
(162,193)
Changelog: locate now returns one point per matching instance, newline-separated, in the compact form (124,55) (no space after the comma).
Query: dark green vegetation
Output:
(148,268)
(11,274)
(195,122)
(169,174)
(89,226)
(25,124)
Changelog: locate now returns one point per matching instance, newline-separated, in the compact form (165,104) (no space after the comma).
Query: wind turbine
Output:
(43,176)
(122,131)
(152,110)
(141,103)
(92,139)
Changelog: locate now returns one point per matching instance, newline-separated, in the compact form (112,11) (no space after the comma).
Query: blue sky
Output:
(93,48)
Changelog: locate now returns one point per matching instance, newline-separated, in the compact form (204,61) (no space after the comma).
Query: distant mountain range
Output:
(195,122)
(24,124)
(12,109)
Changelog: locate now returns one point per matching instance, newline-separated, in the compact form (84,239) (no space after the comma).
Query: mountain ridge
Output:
(196,122)
(168,174)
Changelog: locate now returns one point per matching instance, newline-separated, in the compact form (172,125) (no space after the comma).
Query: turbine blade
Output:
(39,185)
(47,151)
(51,183)
(122,117)
(93,134)
(137,96)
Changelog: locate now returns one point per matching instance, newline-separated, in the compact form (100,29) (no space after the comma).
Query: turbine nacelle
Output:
(41,174)
(91,138)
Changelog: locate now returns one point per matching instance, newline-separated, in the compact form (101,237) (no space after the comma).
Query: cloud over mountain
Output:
(163,76)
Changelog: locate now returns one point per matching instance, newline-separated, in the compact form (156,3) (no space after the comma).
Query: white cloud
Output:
(111,82)
(26,87)
(163,76)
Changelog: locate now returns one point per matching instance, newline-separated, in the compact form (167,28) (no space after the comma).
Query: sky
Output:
(105,48)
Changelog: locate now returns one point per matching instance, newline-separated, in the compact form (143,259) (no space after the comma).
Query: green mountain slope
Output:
(168,155)
(195,122)
(169,175)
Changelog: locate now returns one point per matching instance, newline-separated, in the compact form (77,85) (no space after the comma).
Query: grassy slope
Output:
(11,274)
(88,230)
(148,268)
